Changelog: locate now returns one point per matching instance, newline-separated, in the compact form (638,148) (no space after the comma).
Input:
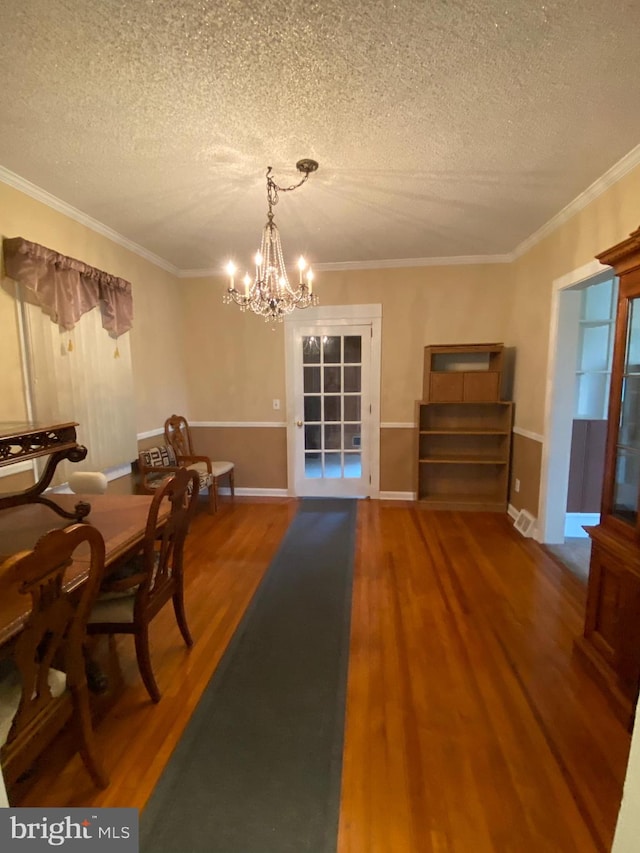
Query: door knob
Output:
(298,423)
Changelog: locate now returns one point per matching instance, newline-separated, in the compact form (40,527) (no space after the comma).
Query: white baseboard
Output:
(257,493)
(397,496)
(573,522)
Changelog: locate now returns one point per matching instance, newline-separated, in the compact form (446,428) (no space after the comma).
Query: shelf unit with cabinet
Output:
(463,428)
(471,373)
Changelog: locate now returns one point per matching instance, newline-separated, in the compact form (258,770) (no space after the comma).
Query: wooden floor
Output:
(470,725)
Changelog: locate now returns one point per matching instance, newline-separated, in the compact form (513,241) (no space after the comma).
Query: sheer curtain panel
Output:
(84,376)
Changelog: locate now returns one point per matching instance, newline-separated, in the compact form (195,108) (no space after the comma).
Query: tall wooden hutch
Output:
(611,641)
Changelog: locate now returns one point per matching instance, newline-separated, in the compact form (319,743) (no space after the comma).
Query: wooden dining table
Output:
(121,519)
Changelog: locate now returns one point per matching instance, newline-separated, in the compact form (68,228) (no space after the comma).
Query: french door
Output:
(331,413)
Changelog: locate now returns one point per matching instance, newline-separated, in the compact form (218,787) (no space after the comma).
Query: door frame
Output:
(336,315)
(560,398)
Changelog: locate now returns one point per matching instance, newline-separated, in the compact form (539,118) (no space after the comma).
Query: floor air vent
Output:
(525,523)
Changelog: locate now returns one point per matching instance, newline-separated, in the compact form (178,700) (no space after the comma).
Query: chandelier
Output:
(269,293)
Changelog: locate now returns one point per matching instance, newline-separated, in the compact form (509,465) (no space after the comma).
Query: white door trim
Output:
(336,315)
(559,401)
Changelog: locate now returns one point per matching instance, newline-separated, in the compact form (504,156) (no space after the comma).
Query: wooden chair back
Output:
(178,435)
(52,639)
(162,555)
(152,578)
(178,438)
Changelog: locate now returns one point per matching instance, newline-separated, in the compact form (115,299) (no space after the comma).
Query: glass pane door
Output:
(334,398)
(627,465)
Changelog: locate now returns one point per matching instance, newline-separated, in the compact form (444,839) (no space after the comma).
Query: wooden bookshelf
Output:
(464,429)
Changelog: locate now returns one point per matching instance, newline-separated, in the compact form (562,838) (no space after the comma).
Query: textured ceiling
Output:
(442,128)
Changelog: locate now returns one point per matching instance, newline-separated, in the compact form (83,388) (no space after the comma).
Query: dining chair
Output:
(134,594)
(178,436)
(43,683)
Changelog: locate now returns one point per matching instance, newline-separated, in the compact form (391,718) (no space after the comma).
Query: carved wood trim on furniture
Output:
(121,519)
(135,593)
(45,684)
(23,441)
(178,436)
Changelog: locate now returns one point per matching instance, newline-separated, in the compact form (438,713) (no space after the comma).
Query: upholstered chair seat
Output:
(11,691)
(114,607)
(157,463)
(221,468)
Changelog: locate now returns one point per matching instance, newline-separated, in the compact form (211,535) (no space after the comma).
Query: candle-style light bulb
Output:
(310,279)
(301,266)
(246,281)
(231,271)
(258,259)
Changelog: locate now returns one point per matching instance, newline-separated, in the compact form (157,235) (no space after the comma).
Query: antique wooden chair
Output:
(132,595)
(178,437)
(36,699)
(156,464)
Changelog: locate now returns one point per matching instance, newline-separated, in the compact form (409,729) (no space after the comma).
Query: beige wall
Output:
(526,460)
(195,355)
(398,455)
(238,365)
(605,221)
(157,337)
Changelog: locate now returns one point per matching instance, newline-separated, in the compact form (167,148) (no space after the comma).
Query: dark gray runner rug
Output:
(258,767)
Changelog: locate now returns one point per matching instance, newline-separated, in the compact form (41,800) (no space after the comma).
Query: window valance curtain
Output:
(67,288)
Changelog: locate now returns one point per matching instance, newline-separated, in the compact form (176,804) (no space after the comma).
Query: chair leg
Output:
(86,746)
(181,618)
(213,496)
(144,663)
(232,481)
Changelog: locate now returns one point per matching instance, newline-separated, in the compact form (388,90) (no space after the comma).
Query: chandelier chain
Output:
(273,189)
(269,293)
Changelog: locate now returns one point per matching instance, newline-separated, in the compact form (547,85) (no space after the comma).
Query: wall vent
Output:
(525,523)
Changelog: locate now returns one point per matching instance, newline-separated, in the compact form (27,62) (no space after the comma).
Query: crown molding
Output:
(629,162)
(35,192)
(597,188)
(397,263)
(393,263)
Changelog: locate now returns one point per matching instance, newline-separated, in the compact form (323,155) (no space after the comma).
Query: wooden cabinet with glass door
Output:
(611,640)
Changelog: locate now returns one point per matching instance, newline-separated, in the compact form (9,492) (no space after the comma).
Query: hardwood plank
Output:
(470,726)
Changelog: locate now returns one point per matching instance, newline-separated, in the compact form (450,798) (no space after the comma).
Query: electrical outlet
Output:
(276,405)
(516,485)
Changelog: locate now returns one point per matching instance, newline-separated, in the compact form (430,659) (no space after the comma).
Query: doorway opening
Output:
(580,350)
